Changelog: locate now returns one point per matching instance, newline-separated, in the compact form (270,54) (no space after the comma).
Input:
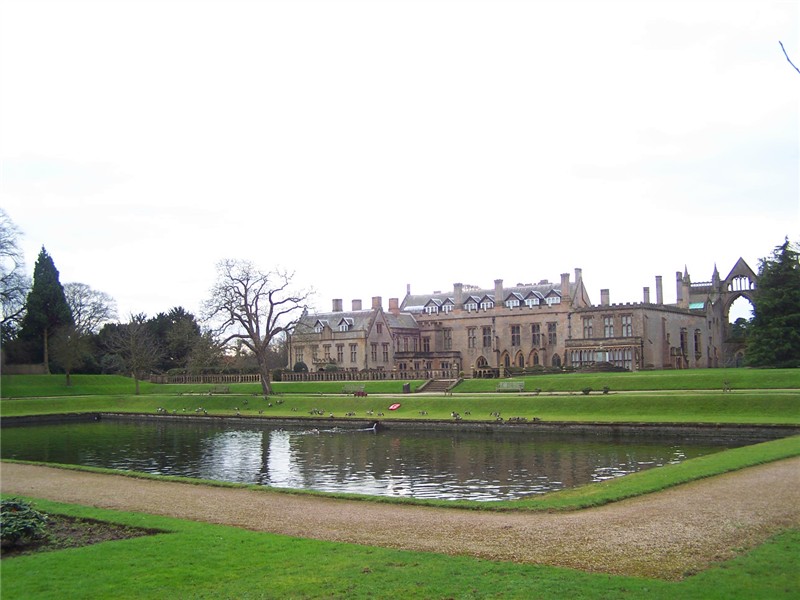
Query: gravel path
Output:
(666,535)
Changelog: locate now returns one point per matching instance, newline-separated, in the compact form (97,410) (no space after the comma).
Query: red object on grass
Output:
(394,406)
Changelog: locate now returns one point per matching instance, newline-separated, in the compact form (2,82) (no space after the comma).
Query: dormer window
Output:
(513,300)
(319,326)
(470,306)
(529,302)
(432,307)
(345,324)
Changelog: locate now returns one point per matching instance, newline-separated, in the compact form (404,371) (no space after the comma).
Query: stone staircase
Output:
(440,386)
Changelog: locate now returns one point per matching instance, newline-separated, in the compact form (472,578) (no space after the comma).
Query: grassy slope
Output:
(20,386)
(197,560)
(768,406)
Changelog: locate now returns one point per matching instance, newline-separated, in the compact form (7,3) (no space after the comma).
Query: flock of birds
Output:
(317,412)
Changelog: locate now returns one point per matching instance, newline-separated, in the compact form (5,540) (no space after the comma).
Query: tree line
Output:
(73,328)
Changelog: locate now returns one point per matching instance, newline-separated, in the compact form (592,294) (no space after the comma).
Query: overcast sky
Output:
(370,145)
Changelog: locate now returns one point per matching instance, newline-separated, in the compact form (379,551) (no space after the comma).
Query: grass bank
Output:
(756,407)
(29,386)
(197,560)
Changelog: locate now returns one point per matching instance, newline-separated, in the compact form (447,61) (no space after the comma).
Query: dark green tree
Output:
(177,332)
(774,332)
(46,309)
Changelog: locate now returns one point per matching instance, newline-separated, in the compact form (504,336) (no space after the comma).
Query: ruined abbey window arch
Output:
(741,283)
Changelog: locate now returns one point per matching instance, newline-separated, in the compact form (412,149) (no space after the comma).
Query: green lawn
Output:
(197,560)
(22,386)
(767,406)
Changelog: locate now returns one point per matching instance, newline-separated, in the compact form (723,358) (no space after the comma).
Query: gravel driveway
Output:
(666,535)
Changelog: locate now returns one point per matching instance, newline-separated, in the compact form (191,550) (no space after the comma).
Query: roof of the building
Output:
(358,320)
(417,302)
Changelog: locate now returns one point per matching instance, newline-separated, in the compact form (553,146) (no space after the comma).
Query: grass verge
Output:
(198,560)
(762,407)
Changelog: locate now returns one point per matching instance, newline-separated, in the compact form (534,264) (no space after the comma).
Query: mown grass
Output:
(43,386)
(28,386)
(756,407)
(692,379)
(198,560)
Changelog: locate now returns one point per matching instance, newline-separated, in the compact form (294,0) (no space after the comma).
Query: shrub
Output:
(20,521)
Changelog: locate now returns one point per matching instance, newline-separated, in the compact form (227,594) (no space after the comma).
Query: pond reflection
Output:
(419,464)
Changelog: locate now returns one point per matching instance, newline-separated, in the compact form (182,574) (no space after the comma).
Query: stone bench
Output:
(511,386)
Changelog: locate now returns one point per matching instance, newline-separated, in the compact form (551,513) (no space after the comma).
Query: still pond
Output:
(450,465)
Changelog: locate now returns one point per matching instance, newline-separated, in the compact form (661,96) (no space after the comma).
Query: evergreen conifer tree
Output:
(774,333)
(46,309)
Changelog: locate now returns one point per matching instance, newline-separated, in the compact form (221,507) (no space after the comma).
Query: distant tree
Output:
(133,347)
(774,332)
(91,309)
(14,285)
(70,348)
(46,308)
(177,332)
(207,353)
(254,307)
(739,328)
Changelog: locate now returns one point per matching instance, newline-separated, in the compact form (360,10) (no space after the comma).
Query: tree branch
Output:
(787,57)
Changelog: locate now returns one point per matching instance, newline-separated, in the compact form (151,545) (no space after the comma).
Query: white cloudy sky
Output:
(372,144)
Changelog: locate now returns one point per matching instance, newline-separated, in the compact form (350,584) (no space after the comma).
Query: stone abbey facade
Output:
(490,332)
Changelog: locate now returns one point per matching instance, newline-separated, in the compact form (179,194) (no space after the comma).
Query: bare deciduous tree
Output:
(135,347)
(90,308)
(254,307)
(70,347)
(14,285)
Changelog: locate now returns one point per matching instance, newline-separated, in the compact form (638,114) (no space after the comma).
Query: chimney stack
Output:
(394,306)
(356,305)
(647,295)
(377,302)
(565,292)
(458,293)
(604,298)
(498,292)
(659,291)
(337,305)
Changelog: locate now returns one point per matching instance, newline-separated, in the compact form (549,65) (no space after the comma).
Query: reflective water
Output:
(420,464)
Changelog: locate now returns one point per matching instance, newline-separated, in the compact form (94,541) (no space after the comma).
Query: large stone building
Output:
(488,332)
